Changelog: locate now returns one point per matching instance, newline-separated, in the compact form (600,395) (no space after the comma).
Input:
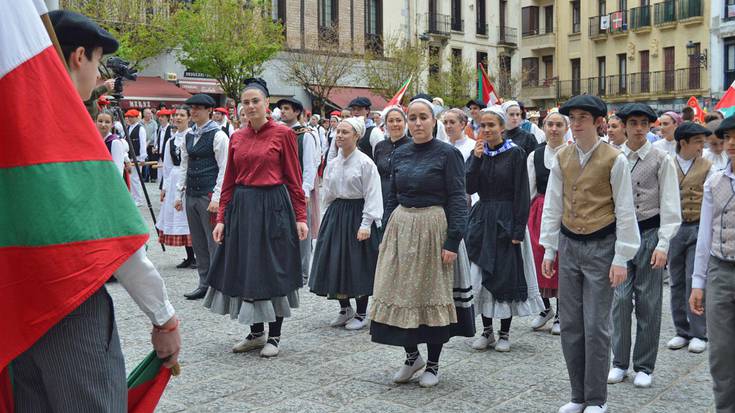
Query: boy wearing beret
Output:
(137,135)
(692,170)
(657,209)
(589,200)
(714,265)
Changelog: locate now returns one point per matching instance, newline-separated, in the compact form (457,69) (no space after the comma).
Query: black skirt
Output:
(260,257)
(344,267)
(407,337)
(489,246)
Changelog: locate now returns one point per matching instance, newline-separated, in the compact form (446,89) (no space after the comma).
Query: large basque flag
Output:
(67,221)
(485,88)
(726,105)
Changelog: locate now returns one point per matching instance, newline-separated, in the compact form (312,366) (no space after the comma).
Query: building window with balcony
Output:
(328,21)
(665,12)
(729,62)
(530,76)
(645,75)
(504,73)
(602,7)
(640,17)
(481,19)
(601,76)
(549,19)
(729,12)
(694,66)
(576,17)
(548,70)
(278,13)
(622,73)
(374,26)
(457,22)
(481,58)
(530,21)
(690,8)
(669,68)
(576,76)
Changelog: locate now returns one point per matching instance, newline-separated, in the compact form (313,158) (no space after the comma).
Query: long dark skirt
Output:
(260,257)
(344,267)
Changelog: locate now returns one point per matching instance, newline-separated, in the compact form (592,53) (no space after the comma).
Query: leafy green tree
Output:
(229,40)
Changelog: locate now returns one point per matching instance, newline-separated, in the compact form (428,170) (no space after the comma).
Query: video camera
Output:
(121,69)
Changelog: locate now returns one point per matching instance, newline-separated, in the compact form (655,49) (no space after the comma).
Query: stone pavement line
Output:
(323,369)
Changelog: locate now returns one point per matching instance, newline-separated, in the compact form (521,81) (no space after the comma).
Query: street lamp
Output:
(693,53)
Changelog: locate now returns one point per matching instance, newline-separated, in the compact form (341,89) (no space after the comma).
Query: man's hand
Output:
(448,257)
(363,234)
(547,269)
(618,275)
(213,207)
(110,84)
(696,301)
(166,342)
(658,259)
(302,230)
(219,233)
(178,205)
(163,194)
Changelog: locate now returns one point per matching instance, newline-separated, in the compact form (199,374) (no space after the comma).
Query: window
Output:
(549,19)
(694,68)
(576,17)
(328,13)
(729,12)
(669,68)
(729,62)
(278,10)
(602,7)
(548,69)
(622,4)
(645,80)
(481,20)
(576,76)
(482,59)
(623,73)
(457,23)
(530,71)
(504,71)
(434,60)
(374,26)
(530,20)
(601,75)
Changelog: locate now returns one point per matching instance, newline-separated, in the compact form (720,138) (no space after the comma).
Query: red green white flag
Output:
(485,89)
(726,105)
(396,99)
(67,222)
(698,112)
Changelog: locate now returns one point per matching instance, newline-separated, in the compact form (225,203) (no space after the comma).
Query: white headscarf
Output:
(358,124)
(496,110)
(425,102)
(509,104)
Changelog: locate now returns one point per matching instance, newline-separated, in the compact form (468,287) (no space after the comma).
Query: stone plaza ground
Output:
(324,369)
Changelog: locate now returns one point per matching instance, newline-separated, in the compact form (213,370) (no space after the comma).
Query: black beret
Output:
(589,103)
(726,125)
(360,102)
(74,29)
(422,96)
(637,108)
(477,102)
(201,99)
(688,129)
(257,83)
(295,103)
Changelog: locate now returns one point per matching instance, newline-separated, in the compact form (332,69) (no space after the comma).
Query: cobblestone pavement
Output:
(323,369)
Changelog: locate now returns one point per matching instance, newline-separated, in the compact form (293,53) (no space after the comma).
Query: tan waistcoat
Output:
(691,188)
(588,195)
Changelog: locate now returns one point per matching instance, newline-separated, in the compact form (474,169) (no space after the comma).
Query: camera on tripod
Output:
(121,69)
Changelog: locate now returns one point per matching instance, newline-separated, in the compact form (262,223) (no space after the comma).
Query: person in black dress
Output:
(513,131)
(395,129)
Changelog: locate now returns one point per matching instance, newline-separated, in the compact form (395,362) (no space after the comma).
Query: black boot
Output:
(184,264)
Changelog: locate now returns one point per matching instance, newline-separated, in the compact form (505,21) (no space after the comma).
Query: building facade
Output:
(722,50)
(646,50)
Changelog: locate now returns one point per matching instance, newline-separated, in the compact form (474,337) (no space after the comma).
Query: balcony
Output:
(457,25)
(664,14)
(679,82)
(439,24)
(374,43)
(481,29)
(598,27)
(540,41)
(640,18)
(539,89)
(507,36)
(328,35)
(618,22)
(691,11)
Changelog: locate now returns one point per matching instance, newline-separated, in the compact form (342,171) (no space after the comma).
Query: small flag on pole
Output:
(485,89)
(726,105)
(396,99)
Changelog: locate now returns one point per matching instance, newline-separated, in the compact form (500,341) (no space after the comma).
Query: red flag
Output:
(698,112)
(146,384)
(396,99)
(726,105)
(485,89)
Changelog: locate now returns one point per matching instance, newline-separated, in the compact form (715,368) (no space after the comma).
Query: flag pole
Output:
(52,35)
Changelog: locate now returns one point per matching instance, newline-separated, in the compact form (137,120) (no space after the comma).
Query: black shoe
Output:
(111,280)
(184,264)
(197,294)
(193,264)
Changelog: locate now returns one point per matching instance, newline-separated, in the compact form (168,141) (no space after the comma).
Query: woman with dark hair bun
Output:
(256,273)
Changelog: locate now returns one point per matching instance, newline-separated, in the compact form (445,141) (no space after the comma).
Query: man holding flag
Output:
(62,245)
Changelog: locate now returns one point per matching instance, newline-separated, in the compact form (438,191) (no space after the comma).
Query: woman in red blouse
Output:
(256,273)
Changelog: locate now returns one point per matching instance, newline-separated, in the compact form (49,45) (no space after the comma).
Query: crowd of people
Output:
(437,214)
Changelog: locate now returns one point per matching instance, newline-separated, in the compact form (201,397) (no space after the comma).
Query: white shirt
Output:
(167,164)
(310,161)
(718,161)
(355,177)
(118,151)
(538,133)
(465,145)
(145,286)
(376,136)
(549,159)
(666,146)
(627,241)
(668,191)
(142,145)
(704,236)
(220,145)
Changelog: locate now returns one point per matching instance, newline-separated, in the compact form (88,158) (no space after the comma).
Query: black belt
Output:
(650,223)
(599,234)
(689,223)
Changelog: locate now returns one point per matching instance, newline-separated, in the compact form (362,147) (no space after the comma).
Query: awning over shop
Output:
(341,97)
(150,91)
(201,86)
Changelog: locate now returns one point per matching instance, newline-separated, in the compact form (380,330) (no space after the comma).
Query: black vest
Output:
(364,143)
(174,153)
(226,129)
(300,132)
(202,168)
(166,137)
(542,172)
(134,135)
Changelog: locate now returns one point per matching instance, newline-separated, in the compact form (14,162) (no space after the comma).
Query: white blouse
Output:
(355,177)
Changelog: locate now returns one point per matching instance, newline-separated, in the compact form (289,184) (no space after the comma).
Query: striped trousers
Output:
(76,367)
(720,310)
(644,287)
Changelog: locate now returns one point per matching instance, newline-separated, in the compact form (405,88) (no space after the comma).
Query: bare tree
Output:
(385,72)
(320,71)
